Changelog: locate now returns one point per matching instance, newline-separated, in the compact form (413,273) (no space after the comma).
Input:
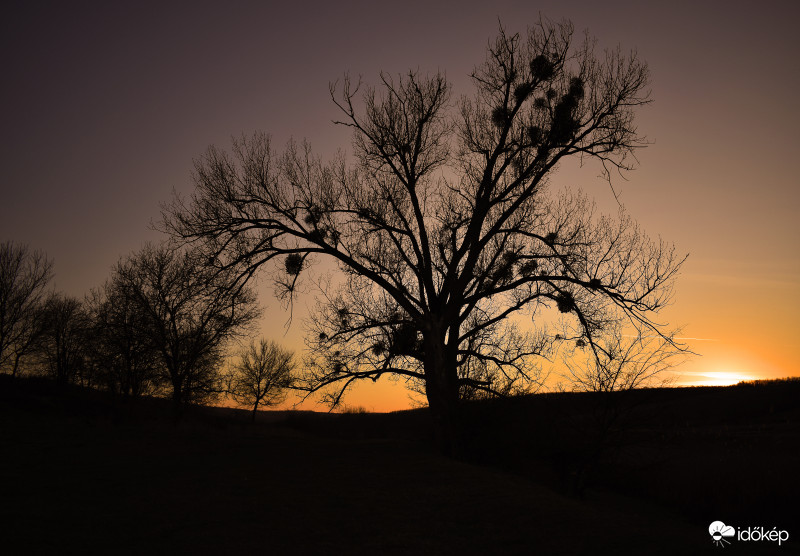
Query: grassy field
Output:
(543,475)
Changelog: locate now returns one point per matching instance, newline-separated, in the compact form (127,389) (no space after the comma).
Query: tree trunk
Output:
(177,397)
(441,389)
(15,368)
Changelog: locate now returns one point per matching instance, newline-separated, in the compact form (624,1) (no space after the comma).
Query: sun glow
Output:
(712,378)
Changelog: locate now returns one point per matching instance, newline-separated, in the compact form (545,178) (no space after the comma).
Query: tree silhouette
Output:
(63,344)
(444,227)
(121,348)
(24,276)
(622,361)
(188,312)
(262,375)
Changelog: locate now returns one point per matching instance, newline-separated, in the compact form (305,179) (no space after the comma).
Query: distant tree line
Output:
(162,324)
(165,321)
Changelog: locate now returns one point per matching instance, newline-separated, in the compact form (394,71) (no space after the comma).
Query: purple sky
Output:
(105,105)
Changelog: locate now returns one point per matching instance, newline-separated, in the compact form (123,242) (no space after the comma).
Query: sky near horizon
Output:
(105,105)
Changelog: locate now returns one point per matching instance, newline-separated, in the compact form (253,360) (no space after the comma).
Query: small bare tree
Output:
(24,276)
(262,375)
(619,361)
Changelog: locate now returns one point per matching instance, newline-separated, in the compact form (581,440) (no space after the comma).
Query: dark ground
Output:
(80,474)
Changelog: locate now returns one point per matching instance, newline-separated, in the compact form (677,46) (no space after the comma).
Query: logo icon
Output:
(719,533)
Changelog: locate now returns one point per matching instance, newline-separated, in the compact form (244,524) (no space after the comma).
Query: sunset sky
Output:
(104,106)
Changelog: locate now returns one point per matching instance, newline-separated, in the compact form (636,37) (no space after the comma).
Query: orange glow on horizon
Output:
(712,378)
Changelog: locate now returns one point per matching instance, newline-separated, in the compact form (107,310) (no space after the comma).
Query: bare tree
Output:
(262,375)
(621,361)
(189,312)
(24,276)
(63,343)
(120,345)
(445,230)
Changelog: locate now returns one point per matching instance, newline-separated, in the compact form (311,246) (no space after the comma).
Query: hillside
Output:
(84,475)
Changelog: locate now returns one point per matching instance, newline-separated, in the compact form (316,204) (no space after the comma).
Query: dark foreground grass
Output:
(82,476)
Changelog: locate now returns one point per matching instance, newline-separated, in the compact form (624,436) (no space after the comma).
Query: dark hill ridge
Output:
(84,475)
(696,450)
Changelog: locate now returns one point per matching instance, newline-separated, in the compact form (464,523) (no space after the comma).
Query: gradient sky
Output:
(104,106)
